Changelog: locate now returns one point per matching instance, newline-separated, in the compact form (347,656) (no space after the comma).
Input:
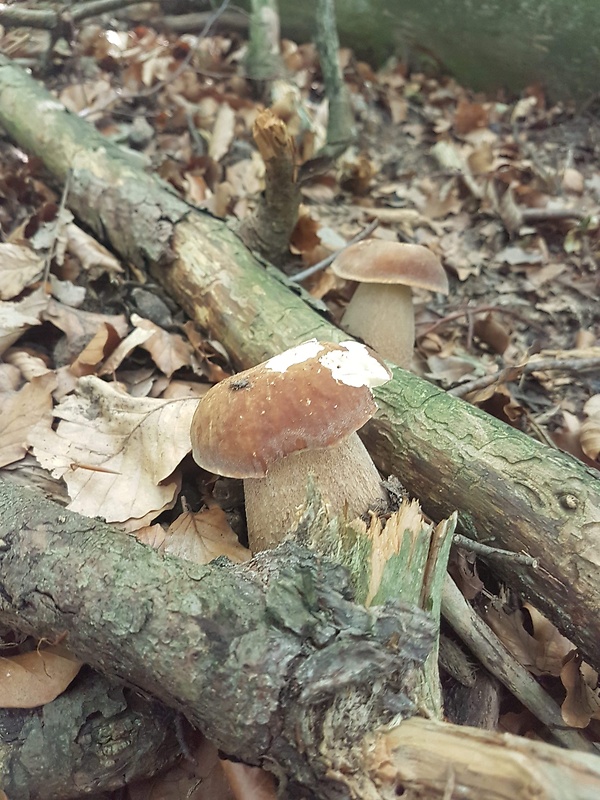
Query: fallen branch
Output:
(511,491)
(96,737)
(270,659)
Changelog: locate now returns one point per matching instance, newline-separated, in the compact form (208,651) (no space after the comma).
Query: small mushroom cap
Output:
(378,261)
(311,396)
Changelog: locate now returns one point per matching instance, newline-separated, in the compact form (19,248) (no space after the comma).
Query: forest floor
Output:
(506,191)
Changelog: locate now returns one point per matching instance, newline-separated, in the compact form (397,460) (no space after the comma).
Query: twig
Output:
(493,552)
(309,271)
(535,365)
(467,312)
(59,213)
(494,656)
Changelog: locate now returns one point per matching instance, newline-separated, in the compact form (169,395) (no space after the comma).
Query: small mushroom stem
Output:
(345,475)
(382,316)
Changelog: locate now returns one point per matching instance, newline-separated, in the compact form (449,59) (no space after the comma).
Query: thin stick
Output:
(494,656)
(535,365)
(466,312)
(493,552)
(306,273)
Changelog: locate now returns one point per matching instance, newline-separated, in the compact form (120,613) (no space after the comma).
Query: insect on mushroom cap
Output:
(311,396)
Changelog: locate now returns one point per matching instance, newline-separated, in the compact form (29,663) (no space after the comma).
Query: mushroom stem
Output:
(346,478)
(382,316)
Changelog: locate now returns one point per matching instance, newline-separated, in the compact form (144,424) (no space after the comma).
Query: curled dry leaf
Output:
(169,351)
(104,341)
(223,131)
(20,267)
(17,318)
(80,326)
(94,257)
(197,536)
(116,453)
(589,435)
(582,702)
(21,411)
(543,653)
(36,678)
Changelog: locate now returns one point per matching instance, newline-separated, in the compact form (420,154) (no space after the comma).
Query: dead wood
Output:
(97,736)
(269,228)
(510,490)
(271,660)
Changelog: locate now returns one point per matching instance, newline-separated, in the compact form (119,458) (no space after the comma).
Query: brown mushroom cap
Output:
(311,396)
(377,261)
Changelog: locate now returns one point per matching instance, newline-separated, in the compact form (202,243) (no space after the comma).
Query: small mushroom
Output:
(294,415)
(381,310)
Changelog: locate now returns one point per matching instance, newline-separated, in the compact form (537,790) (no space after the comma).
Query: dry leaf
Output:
(104,342)
(582,701)
(20,267)
(36,678)
(589,435)
(94,257)
(169,351)
(20,412)
(117,454)
(223,130)
(542,653)
(203,536)
(16,318)
(80,326)
(249,783)
(135,339)
(202,779)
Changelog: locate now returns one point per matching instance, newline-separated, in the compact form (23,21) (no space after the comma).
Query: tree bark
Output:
(97,736)
(271,660)
(510,491)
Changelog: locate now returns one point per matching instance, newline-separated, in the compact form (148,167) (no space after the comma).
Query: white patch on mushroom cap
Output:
(355,366)
(295,355)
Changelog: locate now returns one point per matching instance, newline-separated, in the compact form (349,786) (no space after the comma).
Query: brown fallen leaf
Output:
(94,257)
(200,537)
(20,267)
(541,653)
(33,679)
(17,318)
(20,412)
(104,342)
(169,351)
(117,454)
(80,326)
(589,434)
(582,702)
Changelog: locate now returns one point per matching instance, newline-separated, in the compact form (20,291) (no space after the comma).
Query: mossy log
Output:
(509,490)
(271,659)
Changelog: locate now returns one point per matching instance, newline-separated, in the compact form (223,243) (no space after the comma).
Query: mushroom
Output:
(294,415)
(381,310)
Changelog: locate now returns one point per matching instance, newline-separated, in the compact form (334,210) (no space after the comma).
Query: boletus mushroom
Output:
(381,309)
(294,415)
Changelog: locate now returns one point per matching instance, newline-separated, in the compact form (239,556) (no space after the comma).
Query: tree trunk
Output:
(510,491)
